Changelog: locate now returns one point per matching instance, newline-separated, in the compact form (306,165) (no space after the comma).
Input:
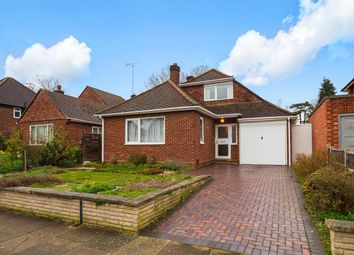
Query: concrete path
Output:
(246,209)
(28,235)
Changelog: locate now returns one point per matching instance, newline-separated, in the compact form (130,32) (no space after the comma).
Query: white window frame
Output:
(97,128)
(139,138)
(201,130)
(236,134)
(38,125)
(230,93)
(16,110)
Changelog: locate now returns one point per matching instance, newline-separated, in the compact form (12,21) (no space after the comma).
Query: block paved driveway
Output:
(246,209)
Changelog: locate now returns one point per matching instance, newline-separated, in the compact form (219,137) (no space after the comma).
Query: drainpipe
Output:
(289,141)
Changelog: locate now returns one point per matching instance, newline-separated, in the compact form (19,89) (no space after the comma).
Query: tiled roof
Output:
(14,93)
(108,98)
(251,109)
(212,74)
(346,87)
(75,108)
(165,95)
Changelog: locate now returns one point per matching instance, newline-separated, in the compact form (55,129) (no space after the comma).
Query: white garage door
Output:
(263,143)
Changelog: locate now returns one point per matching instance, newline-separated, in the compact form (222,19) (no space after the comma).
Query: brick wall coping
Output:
(341,226)
(136,202)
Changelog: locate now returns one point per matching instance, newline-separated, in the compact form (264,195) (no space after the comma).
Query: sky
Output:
(279,49)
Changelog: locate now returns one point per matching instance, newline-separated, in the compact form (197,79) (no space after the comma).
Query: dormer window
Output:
(17,112)
(220,91)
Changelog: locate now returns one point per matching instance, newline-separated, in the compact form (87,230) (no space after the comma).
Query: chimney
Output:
(133,95)
(174,73)
(189,77)
(58,89)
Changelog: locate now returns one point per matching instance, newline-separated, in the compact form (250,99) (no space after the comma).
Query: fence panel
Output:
(344,157)
(350,160)
(91,147)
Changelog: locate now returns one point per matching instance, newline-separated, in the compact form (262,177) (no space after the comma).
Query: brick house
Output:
(14,99)
(55,109)
(333,121)
(207,118)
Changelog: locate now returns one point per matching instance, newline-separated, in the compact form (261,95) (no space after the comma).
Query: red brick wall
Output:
(325,121)
(7,121)
(89,95)
(75,130)
(181,139)
(241,94)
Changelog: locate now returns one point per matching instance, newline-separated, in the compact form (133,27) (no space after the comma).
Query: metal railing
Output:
(342,156)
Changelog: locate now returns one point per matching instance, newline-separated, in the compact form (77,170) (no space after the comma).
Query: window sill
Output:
(144,143)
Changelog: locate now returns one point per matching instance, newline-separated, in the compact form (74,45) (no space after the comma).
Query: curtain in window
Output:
(33,135)
(210,93)
(222,92)
(132,131)
(42,134)
(151,130)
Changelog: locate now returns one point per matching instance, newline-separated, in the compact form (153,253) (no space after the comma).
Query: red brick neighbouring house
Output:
(55,109)
(99,96)
(333,121)
(14,99)
(207,118)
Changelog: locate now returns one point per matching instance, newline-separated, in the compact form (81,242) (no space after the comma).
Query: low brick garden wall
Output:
(342,236)
(97,210)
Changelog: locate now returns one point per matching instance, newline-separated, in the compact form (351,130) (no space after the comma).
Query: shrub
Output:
(306,165)
(10,163)
(330,189)
(15,145)
(23,180)
(60,152)
(138,159)
(2,143)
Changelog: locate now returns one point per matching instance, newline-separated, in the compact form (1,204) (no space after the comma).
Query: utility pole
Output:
(132,65)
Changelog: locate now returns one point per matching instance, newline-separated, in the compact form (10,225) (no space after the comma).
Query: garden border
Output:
(100,210)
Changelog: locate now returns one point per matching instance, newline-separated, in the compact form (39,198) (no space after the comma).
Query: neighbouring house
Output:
(333,121)
(55,109)
(207,118)
(14,99)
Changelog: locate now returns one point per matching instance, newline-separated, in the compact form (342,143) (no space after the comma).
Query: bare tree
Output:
(164,74)
(43,82)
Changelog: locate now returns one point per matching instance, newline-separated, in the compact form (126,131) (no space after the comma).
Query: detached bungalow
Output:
(333,121)
(75,115)
(14,99)
(207,118)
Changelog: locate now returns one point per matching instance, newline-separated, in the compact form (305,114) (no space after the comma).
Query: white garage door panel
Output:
(263,143)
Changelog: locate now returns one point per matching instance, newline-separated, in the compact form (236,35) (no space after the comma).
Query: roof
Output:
(165,95)
(330,98)
(346,87)
(212,74)
(75,108)
(15,93)
(108,98)
(251,109)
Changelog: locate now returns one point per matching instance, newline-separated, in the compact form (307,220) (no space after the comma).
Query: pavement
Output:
(29,235)
(246,209)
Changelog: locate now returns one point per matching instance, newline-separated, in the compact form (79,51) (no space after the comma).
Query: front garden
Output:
(328,190)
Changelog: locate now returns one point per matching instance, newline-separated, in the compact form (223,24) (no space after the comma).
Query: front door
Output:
(223,141)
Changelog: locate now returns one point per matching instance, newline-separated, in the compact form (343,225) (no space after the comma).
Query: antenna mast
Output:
(132,65)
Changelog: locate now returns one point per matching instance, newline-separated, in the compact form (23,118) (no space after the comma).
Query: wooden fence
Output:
(91,147)
(345,157)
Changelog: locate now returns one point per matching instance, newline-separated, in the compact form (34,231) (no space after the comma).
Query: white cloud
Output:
(65,60)
(257,59)
(287,20)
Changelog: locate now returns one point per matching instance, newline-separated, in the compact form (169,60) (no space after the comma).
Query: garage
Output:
(263,143)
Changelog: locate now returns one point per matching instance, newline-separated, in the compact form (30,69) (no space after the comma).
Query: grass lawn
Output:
(112,179)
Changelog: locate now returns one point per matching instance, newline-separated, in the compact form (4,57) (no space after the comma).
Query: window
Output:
(41,134)
(233,134)
(17,112)
(218,92)
(96,130)
(201,131)
(145,131)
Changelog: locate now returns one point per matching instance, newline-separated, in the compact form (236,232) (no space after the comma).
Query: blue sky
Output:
(158,33)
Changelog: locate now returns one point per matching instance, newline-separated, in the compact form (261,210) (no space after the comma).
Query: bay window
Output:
(218,91)
(41,134)
(145,130)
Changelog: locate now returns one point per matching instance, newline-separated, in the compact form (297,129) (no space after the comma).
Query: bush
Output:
(306,165)
(330,189)
(15,145)
(23,180)
(137,159)
(10,163)
(60,152)
(2,143)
